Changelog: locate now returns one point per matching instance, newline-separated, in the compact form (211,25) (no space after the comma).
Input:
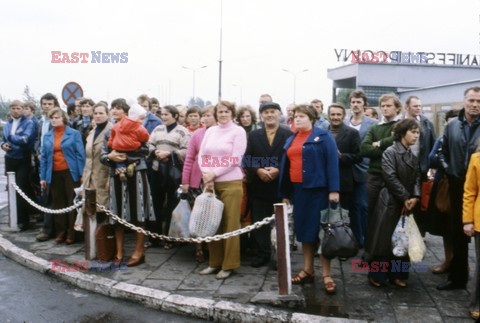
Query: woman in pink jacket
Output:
(220,160)
(192,175)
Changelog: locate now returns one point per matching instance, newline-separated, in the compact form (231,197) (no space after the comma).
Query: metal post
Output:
(283,250)
(90,223)
(12,201)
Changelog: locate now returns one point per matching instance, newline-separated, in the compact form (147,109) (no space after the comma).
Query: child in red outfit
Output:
(127,136)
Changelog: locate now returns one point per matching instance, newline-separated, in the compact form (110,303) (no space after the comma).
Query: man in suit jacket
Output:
(262,162)
(348,144)
(358,120)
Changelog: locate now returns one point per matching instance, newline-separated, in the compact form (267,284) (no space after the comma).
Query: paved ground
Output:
(176,271)
(28,296)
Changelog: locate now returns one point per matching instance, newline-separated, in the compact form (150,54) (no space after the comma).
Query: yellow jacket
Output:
(471,199)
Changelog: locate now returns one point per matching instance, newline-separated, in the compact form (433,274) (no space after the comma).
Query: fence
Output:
(89,220)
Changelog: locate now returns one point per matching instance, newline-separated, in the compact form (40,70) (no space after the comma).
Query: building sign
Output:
(398,57)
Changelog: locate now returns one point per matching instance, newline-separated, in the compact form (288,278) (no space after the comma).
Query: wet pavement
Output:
(28,296)
(176,271)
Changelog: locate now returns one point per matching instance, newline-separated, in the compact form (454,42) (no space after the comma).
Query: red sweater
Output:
(294,154)
(59,162)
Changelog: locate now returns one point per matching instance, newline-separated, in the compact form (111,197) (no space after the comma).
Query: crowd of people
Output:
(137,154)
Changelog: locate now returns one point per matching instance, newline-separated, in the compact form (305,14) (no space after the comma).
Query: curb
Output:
(207,309)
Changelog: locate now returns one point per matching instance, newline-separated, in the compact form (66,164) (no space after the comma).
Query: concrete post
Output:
(90,223)
(12,201)
(283,250)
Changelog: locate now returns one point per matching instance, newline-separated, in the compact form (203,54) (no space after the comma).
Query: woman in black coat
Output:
(400,171)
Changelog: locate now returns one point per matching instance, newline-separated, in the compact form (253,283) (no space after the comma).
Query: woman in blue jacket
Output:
(309,177)
(61,167)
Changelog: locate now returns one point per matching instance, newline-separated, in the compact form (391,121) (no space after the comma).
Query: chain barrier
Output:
(44,209)
(217,237)
(154,235)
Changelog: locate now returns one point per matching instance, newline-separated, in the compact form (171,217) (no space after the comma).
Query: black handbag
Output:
(338,240)
(174,172)
(170,172)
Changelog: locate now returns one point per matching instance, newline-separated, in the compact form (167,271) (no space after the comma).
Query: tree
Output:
(196,101)
(342,97)
(27,95)
(3,108)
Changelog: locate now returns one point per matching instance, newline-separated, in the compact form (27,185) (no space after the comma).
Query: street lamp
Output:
(294,80)
(194,70)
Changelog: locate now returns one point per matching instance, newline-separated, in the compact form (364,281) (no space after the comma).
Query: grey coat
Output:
(401,173)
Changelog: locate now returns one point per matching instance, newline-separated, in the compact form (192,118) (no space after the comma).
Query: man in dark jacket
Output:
(18,140)
(359,121)
(47,102)
(84,123)
(421,149)
(348,144)
(262,162)
(460,140)
(424,145)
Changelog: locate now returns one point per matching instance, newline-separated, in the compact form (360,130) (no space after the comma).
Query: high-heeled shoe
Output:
(117,261)
(132,262)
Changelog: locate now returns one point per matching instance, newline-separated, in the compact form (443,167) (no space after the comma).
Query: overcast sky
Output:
(260,38)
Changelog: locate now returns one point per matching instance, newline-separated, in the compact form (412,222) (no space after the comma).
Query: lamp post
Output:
(194,70)
(294,80)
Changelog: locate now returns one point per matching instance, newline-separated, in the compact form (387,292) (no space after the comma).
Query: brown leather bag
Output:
(105,242)
(442,199)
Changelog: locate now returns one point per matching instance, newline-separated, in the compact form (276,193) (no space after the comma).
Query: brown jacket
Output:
(95,174)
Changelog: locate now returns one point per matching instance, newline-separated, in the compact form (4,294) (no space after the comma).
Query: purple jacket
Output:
(192,175)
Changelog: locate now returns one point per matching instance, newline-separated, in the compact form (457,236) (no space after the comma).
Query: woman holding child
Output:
(129,199)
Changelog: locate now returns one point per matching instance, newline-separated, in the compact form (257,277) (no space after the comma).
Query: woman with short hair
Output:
(95,174)
(225,141)
(61,167)
(167,146)
(401,176)
(247,118)
(130,200)
(309,178)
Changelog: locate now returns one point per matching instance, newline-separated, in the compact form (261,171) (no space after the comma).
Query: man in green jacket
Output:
(379,138)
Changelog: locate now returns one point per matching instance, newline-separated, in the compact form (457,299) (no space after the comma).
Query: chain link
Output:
(217,237)
(44,209)
(115,217)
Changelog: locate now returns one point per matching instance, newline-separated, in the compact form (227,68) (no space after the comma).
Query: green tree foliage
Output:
(342,97)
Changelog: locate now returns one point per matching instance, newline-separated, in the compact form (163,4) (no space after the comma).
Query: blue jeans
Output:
(359,212)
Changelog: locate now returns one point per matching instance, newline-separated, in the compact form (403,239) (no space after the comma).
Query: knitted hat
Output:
(136,111)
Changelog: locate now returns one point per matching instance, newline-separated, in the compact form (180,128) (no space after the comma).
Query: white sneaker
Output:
(223,274)
(207,271)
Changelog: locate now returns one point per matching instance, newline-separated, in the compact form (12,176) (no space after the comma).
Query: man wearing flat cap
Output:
(262,162)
